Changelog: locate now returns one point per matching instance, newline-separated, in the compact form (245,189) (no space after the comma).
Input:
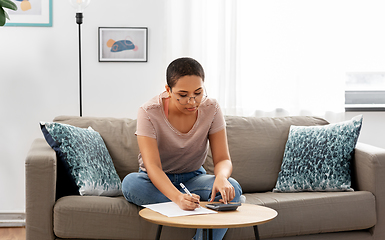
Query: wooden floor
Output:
(13,233)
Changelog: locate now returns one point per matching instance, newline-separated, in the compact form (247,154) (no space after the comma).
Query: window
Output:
(365,91)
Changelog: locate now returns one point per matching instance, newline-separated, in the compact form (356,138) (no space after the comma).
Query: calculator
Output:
(223,206)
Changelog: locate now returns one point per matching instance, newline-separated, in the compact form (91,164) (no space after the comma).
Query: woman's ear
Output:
(168,89)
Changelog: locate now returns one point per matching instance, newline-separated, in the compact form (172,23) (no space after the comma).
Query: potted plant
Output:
(3,14)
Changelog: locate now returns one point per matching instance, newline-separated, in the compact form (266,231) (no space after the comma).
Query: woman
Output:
(173,130)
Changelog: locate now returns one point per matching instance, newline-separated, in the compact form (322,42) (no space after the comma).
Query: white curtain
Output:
(263,57)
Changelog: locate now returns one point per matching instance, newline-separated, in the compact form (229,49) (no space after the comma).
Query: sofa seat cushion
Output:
(97,217)
(316,212)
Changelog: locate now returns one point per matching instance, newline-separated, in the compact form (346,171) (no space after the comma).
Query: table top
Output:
(245,216)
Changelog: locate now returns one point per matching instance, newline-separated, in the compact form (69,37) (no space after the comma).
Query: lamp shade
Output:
(79,5)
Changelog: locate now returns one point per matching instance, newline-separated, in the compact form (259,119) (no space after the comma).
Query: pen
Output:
(185,189)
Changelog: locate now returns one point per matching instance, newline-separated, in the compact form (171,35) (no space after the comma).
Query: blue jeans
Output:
(138,189)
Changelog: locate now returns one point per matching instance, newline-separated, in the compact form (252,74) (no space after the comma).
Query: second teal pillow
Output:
(317,158)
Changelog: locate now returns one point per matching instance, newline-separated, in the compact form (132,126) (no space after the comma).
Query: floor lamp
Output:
(79,6)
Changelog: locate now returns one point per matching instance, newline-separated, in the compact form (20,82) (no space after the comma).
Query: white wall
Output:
(373,127)
(39,78)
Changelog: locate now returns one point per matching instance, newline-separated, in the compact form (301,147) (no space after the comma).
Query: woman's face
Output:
(183,93)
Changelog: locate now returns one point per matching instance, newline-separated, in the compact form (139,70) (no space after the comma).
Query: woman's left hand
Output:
(222,185)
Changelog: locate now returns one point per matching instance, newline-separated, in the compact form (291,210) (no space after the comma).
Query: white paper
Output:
(171,209)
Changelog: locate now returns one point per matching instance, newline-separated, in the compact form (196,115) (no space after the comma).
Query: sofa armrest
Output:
(369,175)
(40,183)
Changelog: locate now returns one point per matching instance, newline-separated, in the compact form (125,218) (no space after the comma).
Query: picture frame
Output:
(123,44)
(31,13)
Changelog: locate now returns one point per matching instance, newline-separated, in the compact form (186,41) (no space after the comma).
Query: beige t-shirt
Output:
(179,152)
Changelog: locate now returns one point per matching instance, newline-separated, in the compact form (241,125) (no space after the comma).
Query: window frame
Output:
(364,101)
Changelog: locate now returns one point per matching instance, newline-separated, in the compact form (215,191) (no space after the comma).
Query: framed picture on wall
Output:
(123,44)
(31,13)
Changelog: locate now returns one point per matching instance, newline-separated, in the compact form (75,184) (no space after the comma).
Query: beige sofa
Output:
(256,147)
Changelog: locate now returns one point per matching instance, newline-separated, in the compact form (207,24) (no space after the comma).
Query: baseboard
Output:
(12,219)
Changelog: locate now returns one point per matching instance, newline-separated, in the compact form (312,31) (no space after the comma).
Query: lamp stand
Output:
(79,21)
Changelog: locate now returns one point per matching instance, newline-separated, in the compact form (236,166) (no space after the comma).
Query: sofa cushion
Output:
(85,156)
(118,135)
(317,158)
(316,212)
(298,213)
(93,217)
(256,148)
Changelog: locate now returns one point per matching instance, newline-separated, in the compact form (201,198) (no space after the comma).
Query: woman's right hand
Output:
(187,202)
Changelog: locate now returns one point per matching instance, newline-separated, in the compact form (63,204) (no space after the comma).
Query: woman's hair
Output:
(183,67)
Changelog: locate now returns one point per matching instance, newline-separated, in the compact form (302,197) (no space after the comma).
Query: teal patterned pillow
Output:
(317,158)
(85,155)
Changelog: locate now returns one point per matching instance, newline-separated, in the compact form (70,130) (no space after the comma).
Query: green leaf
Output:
(8,4)
(2,17)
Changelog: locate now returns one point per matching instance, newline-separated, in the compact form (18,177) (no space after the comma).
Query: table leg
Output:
(204,233)
(159,232)
(210,234)
(256,233)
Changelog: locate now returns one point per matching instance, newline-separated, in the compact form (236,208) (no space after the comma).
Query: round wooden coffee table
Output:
(245,216)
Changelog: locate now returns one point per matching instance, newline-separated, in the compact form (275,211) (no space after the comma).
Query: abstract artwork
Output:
(31,13)
(124,44)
